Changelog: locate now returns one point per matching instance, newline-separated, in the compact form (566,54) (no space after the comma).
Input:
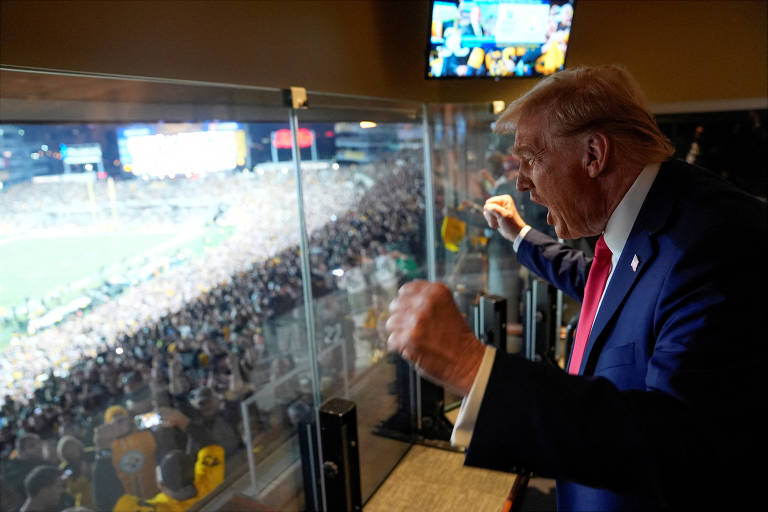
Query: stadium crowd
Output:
(35,206)
(154,378)
(251,201)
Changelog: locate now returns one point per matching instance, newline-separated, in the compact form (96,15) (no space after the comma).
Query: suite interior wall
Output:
(678,50)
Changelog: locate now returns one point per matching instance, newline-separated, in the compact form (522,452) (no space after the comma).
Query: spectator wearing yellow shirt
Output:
(77,471)
(183,481)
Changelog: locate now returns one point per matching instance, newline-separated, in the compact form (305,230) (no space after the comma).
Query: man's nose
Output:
(523,182)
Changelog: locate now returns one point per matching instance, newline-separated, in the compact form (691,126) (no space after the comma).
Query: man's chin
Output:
(559,228)
(563,232)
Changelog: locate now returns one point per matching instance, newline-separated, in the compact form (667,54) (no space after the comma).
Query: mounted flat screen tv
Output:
(498,38)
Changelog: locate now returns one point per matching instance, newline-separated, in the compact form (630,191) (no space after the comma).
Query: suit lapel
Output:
(621,283)
(640,247)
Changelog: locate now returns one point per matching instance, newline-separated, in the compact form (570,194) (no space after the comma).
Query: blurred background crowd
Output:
(162,368)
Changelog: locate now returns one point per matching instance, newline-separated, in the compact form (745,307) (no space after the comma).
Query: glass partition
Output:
(365,240)
(470,164)
(151,306)
(187,265)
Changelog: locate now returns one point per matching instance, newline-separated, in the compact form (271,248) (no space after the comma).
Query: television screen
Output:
(498,38)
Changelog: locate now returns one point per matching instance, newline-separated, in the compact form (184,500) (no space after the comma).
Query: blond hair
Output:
(603,99)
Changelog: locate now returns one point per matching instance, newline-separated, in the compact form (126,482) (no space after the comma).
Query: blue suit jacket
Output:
(665,411)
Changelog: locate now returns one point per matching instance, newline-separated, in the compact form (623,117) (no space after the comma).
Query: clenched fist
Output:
(501,213)
(426,328)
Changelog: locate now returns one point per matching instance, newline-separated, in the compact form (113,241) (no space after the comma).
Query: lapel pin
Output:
(635,263)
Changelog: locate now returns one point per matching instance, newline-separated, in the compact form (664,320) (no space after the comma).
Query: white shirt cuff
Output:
(470,405)
(520,236)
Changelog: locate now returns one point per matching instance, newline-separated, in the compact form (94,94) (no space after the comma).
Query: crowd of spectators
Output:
(161,370)
(265,215)
(34,206)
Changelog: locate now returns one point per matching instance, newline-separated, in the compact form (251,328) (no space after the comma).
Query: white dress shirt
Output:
(615,235)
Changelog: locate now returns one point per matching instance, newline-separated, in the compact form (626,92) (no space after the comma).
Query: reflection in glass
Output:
(470,165)
(358,260)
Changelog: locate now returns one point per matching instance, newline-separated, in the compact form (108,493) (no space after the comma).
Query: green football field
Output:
(34,267)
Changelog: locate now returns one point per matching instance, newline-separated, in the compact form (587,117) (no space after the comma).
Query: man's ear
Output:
(596,157)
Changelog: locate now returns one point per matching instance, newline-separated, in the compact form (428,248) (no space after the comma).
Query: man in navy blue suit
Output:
(661,407)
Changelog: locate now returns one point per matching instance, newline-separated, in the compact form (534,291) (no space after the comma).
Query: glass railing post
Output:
(429,198)
(559,344)
(429,210)
(306,280)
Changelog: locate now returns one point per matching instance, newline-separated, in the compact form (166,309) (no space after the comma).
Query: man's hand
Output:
(171,417)
(426,328)
(104,434)
(501,213)
(103,437)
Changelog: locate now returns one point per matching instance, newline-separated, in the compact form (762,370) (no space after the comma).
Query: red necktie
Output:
(598,276)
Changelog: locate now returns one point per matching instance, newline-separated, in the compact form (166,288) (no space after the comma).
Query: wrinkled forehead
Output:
(530,134)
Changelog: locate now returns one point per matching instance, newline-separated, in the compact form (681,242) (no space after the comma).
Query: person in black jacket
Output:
(29,455)
(44,487)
